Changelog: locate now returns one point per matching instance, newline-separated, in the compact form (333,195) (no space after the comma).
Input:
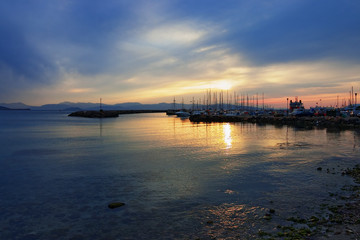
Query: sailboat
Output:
(182,113)
(172,111)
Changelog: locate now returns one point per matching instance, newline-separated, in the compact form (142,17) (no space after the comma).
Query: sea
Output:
(177,179)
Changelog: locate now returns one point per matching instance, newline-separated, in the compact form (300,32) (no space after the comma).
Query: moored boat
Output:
(182,113)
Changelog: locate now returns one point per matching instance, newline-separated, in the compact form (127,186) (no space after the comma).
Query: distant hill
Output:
(4,108)
(17,105)
(71,106)
(65,106)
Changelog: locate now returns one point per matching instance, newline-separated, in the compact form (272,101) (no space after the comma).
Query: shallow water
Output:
(179,180)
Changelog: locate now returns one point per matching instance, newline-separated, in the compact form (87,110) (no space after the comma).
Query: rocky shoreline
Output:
(339,220)
(336,123)
(109,113)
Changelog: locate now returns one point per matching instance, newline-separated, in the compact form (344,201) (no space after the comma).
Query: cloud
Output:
(305,30)
(20,61)
(82,90)
(173,35)
(308,80)
(72,50)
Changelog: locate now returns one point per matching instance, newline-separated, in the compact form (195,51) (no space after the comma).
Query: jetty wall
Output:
(109,113)
(301,122)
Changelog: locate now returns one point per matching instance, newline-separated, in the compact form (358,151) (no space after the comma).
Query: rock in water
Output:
(116,205)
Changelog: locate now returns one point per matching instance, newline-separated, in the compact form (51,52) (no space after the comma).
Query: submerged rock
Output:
(116,205)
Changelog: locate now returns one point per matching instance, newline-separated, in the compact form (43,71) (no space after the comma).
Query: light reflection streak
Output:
(100,126)
(227,135)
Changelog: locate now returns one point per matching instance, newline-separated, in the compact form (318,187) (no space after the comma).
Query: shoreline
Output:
(339,220)
(336,123)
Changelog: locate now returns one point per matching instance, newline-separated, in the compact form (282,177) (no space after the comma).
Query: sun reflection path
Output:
(227,135)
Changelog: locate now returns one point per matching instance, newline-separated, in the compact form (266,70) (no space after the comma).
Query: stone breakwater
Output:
(108,113)
(339,123)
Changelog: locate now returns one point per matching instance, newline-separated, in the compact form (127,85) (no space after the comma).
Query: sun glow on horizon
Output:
(222,85)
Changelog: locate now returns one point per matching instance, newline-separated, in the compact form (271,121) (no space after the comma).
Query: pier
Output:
(109,113)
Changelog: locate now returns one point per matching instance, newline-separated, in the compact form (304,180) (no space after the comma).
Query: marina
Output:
(295,115)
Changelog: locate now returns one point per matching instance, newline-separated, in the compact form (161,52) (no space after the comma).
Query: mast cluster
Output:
(225,100)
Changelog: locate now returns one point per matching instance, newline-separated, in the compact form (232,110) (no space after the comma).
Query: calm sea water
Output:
(179,180)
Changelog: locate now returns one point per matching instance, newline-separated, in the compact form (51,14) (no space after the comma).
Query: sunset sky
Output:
(152,51)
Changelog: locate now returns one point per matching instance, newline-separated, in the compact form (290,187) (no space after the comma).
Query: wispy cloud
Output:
(173,35)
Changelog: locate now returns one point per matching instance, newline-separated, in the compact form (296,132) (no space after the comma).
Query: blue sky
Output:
(153,51)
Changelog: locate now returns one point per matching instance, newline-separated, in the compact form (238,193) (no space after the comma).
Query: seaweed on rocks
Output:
(341,221)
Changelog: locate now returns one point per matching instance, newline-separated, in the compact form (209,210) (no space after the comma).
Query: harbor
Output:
(346,117)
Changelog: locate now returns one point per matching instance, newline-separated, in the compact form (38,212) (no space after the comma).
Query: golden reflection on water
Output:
(205,140)
(227,135)
(173,131)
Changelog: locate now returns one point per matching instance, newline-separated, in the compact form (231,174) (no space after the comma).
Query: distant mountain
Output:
(4,108)
(17,105)
(139,106)
(71,106)
(65,106)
